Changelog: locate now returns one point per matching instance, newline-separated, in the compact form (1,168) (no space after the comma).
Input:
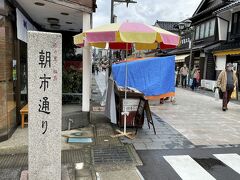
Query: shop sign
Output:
(23,26)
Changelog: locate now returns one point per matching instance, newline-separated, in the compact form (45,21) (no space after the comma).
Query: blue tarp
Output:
(152,76)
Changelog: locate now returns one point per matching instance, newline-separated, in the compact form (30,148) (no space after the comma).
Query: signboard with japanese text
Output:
(45,104)
(130,104)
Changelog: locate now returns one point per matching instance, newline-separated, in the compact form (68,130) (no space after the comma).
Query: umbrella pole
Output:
(125,93)
(125,113)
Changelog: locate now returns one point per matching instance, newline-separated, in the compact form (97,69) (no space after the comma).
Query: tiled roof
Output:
(210,9)
(227,46)
(233,4)
(169,26)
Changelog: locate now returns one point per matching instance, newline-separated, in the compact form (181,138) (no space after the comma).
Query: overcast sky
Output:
(147,11)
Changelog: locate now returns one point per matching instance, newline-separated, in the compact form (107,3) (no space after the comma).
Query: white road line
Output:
(187,168)
(231,160)
(139,174)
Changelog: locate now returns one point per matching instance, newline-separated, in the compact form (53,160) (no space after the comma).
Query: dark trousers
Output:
(227,97)
(194,84)
(184,81)
(177,81)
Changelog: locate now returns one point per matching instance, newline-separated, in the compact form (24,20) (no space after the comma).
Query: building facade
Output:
(209,31)
(16,18)
(229,49)
(166,25)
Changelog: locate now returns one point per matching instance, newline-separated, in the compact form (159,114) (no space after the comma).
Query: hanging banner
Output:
(23,26)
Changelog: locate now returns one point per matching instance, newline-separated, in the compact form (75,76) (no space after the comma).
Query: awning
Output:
(181,58)
(227,52)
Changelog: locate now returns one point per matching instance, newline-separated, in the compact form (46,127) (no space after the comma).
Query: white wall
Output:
(222,29)
(220,62)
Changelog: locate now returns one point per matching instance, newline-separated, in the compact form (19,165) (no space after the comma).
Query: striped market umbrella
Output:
(124,35)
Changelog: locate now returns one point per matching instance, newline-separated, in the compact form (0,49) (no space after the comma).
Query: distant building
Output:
(169,26)
(166,25)
(207,36)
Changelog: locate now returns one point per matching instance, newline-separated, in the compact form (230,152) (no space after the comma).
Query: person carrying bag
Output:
(226,82)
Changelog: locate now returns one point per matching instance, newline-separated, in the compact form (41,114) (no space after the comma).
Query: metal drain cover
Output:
(13,161)
(21,160)
(118,154)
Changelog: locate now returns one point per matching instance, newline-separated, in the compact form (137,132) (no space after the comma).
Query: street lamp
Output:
(188,23)
(186,28)
(181,26)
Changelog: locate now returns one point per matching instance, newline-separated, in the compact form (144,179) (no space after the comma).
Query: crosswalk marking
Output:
(187,168)
(231,160)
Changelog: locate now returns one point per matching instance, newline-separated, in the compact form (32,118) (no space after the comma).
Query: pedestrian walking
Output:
(177,77)
(196,78)
(97,69)
(93,69)
(226,82)
(184,72)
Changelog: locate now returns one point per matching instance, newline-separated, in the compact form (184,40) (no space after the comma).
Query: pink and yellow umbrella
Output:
(124,35)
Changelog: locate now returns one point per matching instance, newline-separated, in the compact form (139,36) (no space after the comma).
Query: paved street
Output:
(191,140)
(190,136)
(200,119)
(191,164)
(193,137)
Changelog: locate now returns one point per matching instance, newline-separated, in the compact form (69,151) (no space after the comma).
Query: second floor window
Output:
(212,27)
(236,24)
(197,32)
(202,30)
(205,30)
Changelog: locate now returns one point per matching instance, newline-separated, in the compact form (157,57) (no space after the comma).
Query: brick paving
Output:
(166,137)
(200,119)
(195,120)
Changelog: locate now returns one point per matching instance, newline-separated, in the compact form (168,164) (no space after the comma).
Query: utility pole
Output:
(119,1)
(112,21)
(112,10)
(110,52)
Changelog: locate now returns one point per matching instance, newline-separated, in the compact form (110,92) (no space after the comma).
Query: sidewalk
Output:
(103,158)
(200,119)
(195,120)
(211,94)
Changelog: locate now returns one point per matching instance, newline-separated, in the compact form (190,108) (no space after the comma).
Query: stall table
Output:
(131,103)
(23,112)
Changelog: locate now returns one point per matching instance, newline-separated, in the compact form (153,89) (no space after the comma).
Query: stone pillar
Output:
(45,105)
(87,67)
